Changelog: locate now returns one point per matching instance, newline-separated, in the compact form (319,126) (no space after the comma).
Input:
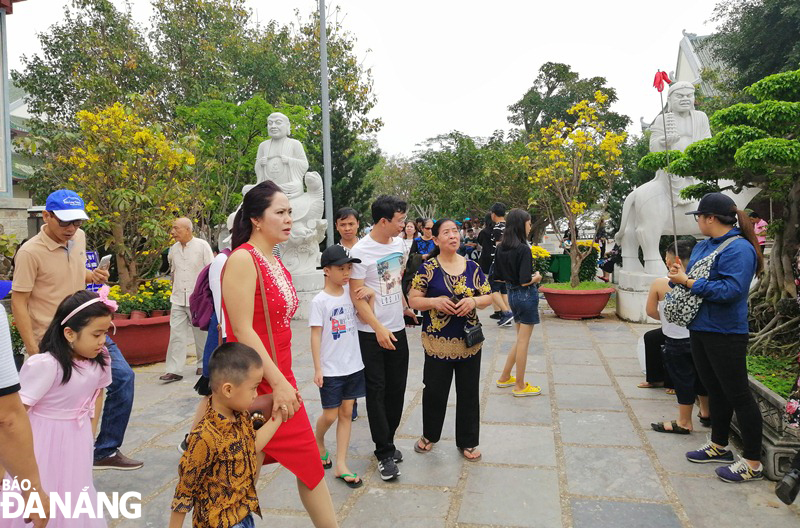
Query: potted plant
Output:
(143,340)
(576,162)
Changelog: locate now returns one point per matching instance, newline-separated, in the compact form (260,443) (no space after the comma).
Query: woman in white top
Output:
(408,234)
(678,354)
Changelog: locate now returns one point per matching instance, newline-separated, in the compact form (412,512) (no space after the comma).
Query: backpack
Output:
(681,305)
(201,302)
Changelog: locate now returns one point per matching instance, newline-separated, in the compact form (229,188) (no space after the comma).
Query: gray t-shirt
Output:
(9,379)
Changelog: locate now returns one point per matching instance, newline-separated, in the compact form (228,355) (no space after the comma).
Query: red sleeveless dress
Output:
(293,445)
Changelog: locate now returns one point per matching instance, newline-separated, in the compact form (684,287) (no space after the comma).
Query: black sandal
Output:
(705,421)
(676,429)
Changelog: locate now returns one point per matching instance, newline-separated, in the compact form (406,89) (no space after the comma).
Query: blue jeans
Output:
(212,341)
(247,522)
(117,407)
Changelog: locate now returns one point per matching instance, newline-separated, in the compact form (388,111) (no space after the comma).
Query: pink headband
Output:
(103,298)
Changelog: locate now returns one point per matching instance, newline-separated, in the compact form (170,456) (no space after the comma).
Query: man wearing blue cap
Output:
(49,267)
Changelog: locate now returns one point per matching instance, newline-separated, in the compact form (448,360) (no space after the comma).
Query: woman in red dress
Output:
(263,221)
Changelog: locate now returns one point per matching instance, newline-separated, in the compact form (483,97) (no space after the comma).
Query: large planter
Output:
(143,341)
(577,304)
(779,441)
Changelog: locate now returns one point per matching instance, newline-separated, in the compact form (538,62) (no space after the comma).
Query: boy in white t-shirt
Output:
(338,370)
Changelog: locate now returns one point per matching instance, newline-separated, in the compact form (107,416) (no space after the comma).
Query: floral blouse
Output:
(443,334)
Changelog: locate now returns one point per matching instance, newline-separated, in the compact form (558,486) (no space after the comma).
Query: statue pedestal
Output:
(632,290)
(307,285)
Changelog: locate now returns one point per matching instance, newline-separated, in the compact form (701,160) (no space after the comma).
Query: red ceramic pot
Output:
(120,316)
(143,341)
(577,304)
(138,314)
(157,313)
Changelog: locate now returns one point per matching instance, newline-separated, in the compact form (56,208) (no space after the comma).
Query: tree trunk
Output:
(538,229)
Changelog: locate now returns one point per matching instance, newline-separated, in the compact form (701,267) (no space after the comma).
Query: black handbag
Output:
(473,335)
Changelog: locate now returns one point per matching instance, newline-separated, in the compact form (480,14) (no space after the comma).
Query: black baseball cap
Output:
(336,256)
(715,204)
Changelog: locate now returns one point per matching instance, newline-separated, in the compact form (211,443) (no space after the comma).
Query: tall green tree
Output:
(556,89)
(757,38)
(95,56)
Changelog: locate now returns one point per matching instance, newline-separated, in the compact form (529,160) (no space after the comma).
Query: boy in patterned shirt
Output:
(219,469)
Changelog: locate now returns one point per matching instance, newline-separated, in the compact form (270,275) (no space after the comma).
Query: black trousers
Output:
(680,367)
(720,363)
(796,460)
(654,358)
(437,377)
(386,372)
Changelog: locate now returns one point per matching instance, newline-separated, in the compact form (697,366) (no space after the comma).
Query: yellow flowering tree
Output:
(134,181)
(572,166)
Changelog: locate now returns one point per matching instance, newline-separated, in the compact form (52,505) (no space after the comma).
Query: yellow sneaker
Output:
(510,382)
(529,390)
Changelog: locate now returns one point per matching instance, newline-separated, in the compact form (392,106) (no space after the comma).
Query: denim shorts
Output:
(335,389)
(497,286)
(524,303)
(247,522)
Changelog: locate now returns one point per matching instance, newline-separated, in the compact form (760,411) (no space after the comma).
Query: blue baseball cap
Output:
(66,205)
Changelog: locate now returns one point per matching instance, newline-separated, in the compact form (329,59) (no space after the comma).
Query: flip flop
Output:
(470,450)
(671,392)
(354,484)
(648,385)
(425,442)
(676,429)
(327,463)
(704,420)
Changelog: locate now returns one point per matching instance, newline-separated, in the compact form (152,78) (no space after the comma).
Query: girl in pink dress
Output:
(60,387)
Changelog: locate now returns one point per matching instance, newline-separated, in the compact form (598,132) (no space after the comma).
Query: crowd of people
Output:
(434,274)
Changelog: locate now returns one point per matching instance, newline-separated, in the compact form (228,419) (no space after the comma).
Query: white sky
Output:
(442,65)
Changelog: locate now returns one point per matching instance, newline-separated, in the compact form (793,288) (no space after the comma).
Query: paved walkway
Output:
(582,454)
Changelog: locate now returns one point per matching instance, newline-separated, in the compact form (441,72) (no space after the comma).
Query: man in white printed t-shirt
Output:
(381,328)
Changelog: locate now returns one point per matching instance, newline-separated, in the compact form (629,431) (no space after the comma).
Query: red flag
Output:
(661,78)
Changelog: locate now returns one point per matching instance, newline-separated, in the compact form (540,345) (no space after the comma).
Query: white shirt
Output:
(215,284)
(381,269)
(339,353)
(9,379)
(185,264)
(671,330)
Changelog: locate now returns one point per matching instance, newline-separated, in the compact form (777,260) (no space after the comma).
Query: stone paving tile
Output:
(612,472)
(598,513)
(518,445)
(625,367)
(712,503)
(413,425)
(505,408)
(387,507)
(575,357)
(580,375)
(628,384)
(587,397)
(617,350)
(441,467)
(511,497)
(597,428)
(671,451)
(648,411)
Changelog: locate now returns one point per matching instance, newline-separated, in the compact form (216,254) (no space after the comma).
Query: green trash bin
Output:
(560,267)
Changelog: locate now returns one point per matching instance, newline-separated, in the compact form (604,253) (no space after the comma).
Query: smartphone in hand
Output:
(105,263)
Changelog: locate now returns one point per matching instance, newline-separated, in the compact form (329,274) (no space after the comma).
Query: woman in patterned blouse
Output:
(449,290)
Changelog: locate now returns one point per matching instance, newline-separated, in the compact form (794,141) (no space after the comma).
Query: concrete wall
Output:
(14,216)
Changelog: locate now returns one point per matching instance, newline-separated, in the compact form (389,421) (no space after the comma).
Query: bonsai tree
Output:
(134,181)
(572,165)
(756,145)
